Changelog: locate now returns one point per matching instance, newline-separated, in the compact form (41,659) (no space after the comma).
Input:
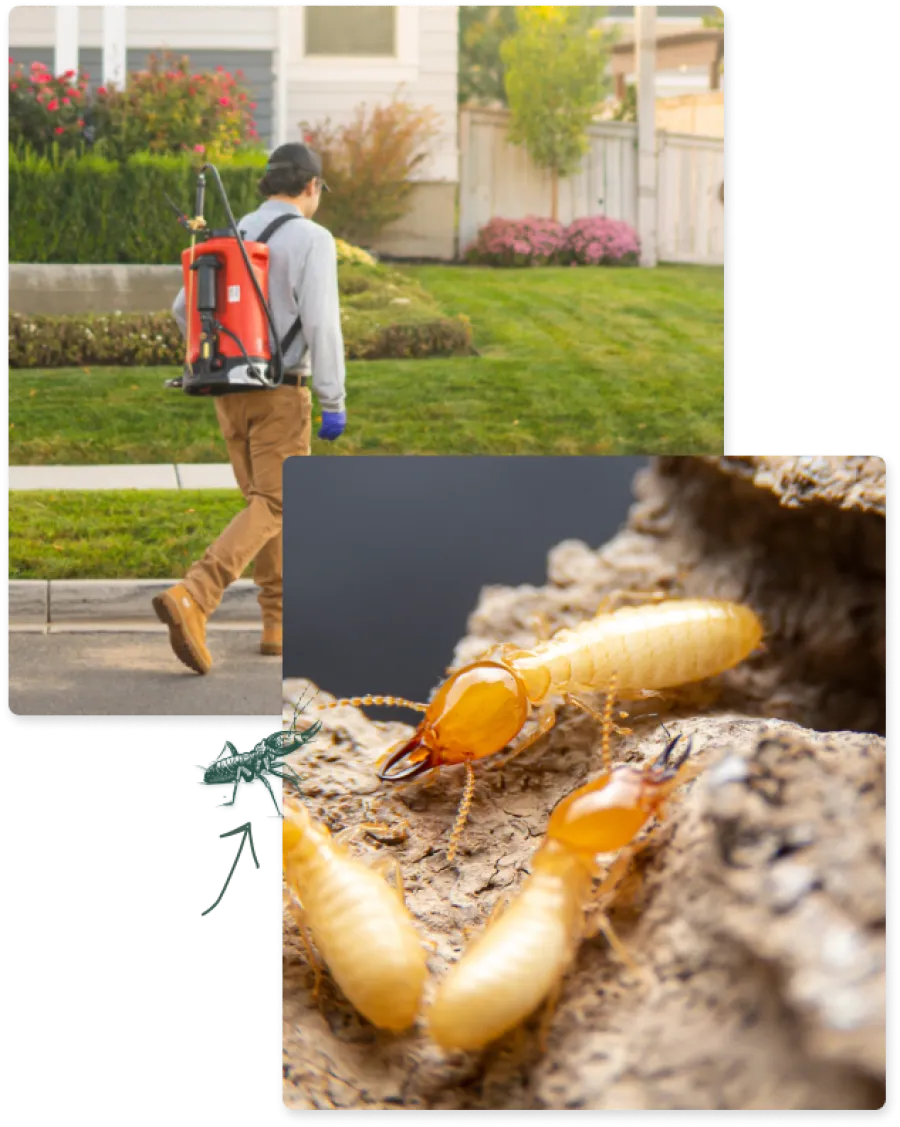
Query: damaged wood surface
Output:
(757,912)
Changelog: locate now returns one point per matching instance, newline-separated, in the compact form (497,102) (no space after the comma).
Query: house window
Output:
(361,32)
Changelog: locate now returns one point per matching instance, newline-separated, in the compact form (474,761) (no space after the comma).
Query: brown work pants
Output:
(261,429)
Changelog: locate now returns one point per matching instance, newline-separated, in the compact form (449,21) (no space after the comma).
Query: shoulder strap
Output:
(274,226)
(291,335)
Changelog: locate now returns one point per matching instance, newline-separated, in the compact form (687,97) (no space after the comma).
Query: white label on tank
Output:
(234,293)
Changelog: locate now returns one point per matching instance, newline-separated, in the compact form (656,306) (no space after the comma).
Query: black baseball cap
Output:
(298,158)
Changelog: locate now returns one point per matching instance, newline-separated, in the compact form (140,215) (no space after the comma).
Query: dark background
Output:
(384,558)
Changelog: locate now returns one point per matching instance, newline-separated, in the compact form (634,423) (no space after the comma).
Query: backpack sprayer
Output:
(229,323)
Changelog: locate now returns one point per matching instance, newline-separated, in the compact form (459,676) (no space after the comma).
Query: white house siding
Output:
(248,27)
(317,90)
(314,92)
(258,40)
(245,44)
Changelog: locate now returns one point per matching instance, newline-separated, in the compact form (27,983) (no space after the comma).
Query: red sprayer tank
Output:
(238,307)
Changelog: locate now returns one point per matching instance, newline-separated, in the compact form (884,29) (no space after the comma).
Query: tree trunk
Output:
(554,194)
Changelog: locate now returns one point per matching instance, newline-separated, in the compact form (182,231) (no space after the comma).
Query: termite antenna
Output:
(301,705)
(395,702)
(462,814)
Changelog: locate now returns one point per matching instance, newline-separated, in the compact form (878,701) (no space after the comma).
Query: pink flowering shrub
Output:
(46,110)
(593,241)
(518,242)
(598,241)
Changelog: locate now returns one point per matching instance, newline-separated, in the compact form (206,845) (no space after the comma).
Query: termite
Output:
(358,921)
(520,959)
(483,707)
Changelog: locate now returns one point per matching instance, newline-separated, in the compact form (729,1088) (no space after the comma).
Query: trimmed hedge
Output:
(91,210)
(150,339)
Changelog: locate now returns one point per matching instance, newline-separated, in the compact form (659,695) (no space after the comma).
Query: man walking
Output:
(263,427)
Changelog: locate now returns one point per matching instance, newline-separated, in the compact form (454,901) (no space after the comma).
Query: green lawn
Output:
(573,361)
(132,534)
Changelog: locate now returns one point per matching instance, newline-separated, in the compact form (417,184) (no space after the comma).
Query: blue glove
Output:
(333,424)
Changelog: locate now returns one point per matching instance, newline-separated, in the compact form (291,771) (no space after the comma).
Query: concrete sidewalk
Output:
(131,673)
(50,606)
(192,475)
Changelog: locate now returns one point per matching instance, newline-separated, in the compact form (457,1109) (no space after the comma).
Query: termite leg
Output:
(237,778)
(314,961)
(604,719)
(389,868)
(544,721)
(343,837)
(548,1014)
(615,874)
(570,698)
(230,747)
(619,949)
(463,812)
(272,793)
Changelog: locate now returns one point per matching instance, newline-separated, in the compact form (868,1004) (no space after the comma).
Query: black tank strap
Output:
(293,332)
(273,227)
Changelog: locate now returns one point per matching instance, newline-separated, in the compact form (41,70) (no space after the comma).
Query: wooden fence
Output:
(499,179)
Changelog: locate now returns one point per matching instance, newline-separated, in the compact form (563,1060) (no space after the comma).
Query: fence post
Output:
(645,45)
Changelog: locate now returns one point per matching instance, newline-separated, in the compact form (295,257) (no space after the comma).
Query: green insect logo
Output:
(265,759)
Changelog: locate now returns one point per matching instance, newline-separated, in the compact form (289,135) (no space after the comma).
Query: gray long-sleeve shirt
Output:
(302,281)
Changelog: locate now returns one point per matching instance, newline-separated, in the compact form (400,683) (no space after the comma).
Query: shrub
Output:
(64,208)
(593,241)
(169,109)
(153,339)
(349,254)
(46,112)
(114,339)
(164,109)
(597,241)
(518,242)
(368,164)
(89,209)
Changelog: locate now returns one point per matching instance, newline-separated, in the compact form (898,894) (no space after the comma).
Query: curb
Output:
(161,475)
(42,604)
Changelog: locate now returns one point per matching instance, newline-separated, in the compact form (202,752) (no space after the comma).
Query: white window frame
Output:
(400,67)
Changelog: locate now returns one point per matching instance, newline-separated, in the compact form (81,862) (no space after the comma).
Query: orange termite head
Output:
(475,713)
(606,814)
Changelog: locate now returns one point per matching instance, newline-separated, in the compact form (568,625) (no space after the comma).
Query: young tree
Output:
(481,70)
(554,83)
(717,19)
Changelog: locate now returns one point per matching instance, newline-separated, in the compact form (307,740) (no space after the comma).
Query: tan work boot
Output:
(187,627)
(270,643)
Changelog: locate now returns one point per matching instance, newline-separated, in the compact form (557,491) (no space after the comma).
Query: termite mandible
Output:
(483,707)
(359,922)
(520,959)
